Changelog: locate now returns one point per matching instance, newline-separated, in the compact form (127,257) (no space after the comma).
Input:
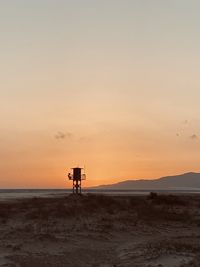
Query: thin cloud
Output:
(194,137)
(62,135)
(185,122)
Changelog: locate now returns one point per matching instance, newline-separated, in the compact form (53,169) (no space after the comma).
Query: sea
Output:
(6,194)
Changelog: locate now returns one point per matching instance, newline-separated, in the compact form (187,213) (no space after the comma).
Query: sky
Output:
(109,85)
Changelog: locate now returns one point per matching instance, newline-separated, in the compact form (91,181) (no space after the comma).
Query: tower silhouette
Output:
(77,175)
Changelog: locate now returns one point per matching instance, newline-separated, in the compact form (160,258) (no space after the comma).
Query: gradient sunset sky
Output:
(113,85)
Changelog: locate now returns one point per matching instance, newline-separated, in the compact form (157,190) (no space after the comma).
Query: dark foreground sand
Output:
(97,230)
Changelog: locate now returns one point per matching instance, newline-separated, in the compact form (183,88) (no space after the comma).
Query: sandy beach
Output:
(97,230)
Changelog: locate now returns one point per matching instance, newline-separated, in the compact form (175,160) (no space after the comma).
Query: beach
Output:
(99,230)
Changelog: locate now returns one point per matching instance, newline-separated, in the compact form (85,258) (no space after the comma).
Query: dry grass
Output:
(64,221)
(151,208)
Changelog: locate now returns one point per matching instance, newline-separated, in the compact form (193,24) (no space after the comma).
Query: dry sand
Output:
(97,230)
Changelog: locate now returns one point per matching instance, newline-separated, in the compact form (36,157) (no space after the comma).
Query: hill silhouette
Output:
(184,181)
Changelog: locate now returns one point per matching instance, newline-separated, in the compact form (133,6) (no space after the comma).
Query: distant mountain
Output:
(185,181)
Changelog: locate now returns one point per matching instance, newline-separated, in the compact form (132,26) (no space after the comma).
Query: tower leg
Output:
(77,186)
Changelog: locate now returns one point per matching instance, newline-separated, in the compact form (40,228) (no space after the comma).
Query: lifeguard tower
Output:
(77,175)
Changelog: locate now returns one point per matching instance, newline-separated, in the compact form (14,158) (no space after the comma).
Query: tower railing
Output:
(71,176)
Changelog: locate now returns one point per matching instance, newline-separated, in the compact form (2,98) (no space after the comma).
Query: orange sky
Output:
(109,85)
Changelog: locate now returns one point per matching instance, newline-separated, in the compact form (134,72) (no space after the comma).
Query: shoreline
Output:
(11,194)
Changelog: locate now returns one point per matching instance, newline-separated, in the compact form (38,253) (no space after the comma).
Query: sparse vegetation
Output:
(154,207)
(100,218)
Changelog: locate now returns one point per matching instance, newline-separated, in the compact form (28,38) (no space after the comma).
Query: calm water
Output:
(28,193)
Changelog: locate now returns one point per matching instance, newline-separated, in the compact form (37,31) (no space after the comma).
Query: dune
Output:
(98,230)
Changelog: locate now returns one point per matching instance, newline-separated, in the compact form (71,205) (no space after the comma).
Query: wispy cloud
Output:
(185,122)
(63,135)
(194,137)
